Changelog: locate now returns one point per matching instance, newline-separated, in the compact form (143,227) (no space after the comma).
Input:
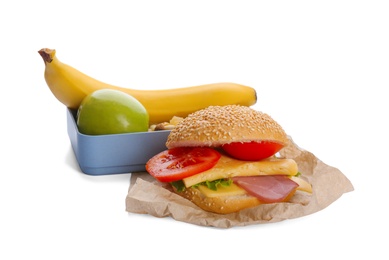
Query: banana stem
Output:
(47,55)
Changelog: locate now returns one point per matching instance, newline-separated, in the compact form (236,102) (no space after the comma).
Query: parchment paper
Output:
(148,196)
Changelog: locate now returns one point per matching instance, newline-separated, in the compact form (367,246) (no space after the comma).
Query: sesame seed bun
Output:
(218,125)
(222,204)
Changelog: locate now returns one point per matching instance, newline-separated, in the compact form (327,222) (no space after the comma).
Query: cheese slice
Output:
(234,190)
(228,167)
(303,184)
(231,190)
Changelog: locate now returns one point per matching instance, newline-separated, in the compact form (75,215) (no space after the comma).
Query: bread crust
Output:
(220,205)
(218,125)
(223,204)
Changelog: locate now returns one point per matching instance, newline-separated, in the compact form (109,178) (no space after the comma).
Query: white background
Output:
(320,69)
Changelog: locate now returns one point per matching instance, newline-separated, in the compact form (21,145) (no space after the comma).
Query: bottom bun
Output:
(220,205)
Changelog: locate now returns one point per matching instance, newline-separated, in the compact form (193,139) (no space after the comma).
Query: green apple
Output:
(108,111)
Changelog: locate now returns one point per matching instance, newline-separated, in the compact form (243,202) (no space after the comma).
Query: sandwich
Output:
(225,159)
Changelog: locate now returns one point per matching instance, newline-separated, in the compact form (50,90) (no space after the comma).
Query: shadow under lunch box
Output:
(115,153)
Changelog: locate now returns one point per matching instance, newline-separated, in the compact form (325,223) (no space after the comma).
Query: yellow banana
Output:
(70,86)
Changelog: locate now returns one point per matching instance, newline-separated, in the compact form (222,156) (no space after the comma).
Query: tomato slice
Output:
(252,151)
(181,162)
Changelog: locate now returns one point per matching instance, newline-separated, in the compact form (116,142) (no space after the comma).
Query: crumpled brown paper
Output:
(148,196)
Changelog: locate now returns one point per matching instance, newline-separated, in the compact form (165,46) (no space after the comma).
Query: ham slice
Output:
(267,188)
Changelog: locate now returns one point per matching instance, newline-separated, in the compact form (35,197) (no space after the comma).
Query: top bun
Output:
(218,125)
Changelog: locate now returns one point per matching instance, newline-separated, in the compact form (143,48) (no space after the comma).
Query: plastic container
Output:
(113,154)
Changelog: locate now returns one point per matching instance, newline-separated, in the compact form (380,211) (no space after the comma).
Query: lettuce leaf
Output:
(178,185)
(213,185)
